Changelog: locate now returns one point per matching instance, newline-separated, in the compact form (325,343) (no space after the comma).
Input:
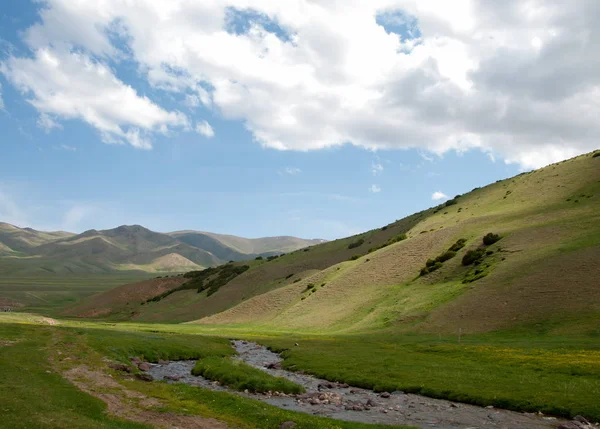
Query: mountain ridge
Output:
(123,248)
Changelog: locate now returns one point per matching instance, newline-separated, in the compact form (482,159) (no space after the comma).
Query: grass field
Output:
(34,393)
(52,293)
(521,370)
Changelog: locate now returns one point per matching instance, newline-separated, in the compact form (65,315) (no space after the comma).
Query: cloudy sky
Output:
(316,118)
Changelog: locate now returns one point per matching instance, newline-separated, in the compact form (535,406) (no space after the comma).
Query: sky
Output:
(312,118)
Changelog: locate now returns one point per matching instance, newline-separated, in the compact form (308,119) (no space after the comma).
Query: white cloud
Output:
(375,189)
(517,79)
(69,85)
(292,171)
(376,168)
(1,100)
(436,196)
(66,147)
(47,123)
(205,129)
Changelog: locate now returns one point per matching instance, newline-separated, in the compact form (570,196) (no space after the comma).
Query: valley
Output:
(489,300)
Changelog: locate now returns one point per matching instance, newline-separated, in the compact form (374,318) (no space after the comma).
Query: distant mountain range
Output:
(129,248)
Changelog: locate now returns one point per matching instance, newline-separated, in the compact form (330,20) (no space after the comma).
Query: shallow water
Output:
(343,402)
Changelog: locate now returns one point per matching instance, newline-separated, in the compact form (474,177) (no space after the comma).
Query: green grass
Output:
(151,346)
(50,294)
(33,395)
(481,370)
(240,376)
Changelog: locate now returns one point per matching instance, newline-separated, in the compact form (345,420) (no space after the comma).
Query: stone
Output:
(135,359)
(581,423)
(119,367)
(370,403)
(144,377)
(287,425)
(274,365)
(385,395)
(173,377)
(144,366)
(163,362)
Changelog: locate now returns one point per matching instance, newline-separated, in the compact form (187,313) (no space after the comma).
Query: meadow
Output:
(520,370)
(34,393)
(50,294)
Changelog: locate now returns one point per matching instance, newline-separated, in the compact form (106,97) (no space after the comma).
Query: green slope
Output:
(541,273)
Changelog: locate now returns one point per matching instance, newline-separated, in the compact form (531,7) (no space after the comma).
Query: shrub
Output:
(270,258)
(458,245)
(451,202)
(297,280)
(354,258)
(289,276)
(596,154)
(472,256)
(356,244)
(445,256)
(490,238)
(258,258)
(384,228)
(310,286)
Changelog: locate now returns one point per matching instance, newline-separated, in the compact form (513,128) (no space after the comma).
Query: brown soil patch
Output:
(132,405)
(7,302)
(116,299)
(49,321)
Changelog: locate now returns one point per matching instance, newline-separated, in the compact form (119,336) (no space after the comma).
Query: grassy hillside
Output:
(539,275)
(268,274)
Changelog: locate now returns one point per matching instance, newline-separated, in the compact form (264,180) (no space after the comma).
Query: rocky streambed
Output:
(343,402)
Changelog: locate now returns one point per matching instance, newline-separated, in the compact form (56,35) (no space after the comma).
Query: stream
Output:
(343,402)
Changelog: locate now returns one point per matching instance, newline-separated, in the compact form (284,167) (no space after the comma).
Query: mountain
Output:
(126,248)
(231,247)
(13,239)
(434,272)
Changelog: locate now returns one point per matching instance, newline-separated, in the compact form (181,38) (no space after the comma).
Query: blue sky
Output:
(270,163)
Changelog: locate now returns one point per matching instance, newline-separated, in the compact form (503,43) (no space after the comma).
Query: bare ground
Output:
(133,405)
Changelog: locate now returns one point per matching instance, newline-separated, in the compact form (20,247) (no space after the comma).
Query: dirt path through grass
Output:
(340,401)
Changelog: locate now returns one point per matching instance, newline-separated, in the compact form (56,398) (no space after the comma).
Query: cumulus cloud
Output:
(205,129)
(375,189)
(517,79)
(71,85)
(436,196)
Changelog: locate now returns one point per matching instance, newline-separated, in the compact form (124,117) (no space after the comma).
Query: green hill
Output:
(541,274)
